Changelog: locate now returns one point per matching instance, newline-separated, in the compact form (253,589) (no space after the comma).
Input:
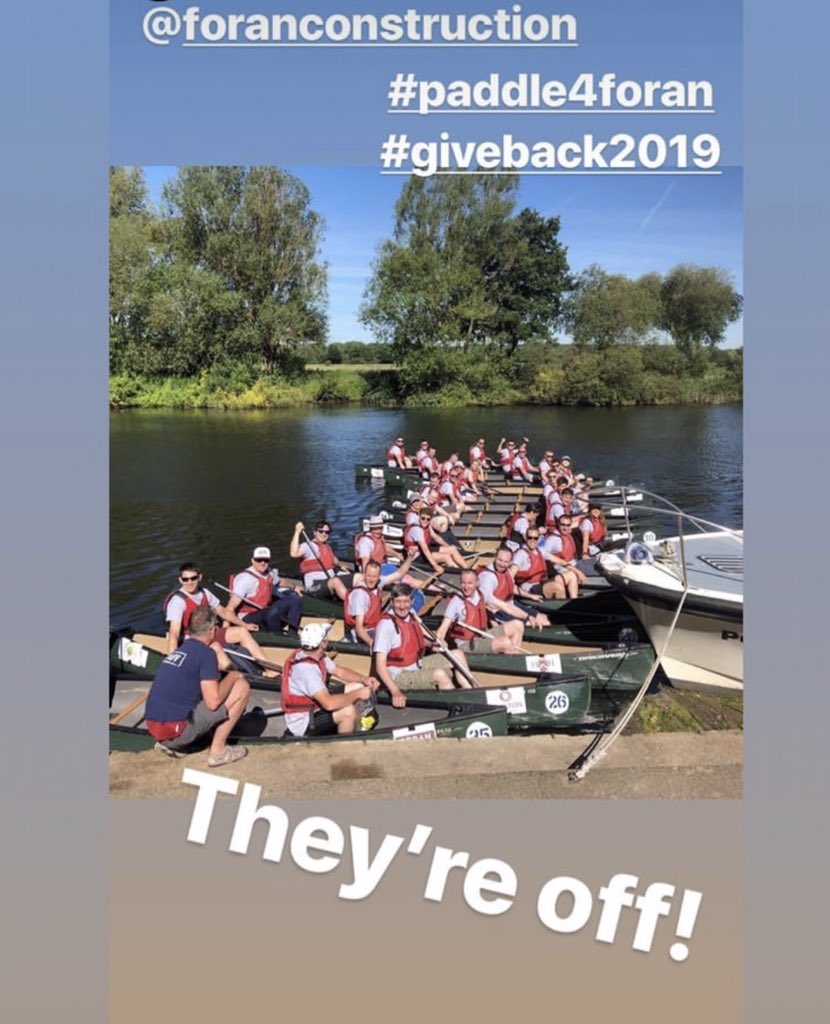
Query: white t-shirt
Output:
(305,681)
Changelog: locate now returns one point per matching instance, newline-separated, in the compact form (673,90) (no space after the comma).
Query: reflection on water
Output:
(210,486)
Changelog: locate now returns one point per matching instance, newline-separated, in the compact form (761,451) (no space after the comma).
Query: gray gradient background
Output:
(69,856)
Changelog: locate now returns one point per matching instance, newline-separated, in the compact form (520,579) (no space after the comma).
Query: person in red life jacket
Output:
(478,453)
(188,701)
(519,523)
(566,470)
(260,597)
(180,605)
(429,547)
(311,709)
(560,550)
(470,609)
(371,545)
(522,468)
(421,455)
(530,570)
(322,570)
(363,606)
(429,464)
(474,480)
(569,506)
(496,583)
(546,464)
(398,653)
(396,457)
(505,452)
(449,465)
(450,496)
(593,530)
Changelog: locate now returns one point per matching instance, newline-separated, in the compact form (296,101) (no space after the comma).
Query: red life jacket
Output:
(322,563)
(378,547)
(190,607)
(505,587)
(410,544)
(511,522)
(506,458)
(482,458)
(410,648)
(297,702)
(391,458)
(520,467)
(598,530)
(568,551)
(474,615)
(536,571)
(263,594)
(372,616)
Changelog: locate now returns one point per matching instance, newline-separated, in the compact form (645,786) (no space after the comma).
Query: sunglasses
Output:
(324,529)
(263,561)
(188,579)
(533,536)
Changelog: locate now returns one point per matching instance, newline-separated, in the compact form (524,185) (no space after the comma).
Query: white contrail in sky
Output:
(656,207)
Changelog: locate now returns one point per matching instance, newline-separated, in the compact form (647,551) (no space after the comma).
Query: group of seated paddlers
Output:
(191,698)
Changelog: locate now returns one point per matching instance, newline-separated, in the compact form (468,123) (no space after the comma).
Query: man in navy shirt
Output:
(187,699)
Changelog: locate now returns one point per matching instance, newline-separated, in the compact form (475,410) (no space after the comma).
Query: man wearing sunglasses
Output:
(180,604)
(322,570)
(262,598)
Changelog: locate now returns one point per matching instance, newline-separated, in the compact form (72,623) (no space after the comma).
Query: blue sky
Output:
(627,225)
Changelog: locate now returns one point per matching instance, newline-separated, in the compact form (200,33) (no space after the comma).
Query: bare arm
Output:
(383,674)
(294,549)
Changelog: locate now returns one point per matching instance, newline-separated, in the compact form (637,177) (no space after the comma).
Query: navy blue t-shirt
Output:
(177,687)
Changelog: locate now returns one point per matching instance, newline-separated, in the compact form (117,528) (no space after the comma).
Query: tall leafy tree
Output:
(698,304)
(253,230)
(462,270)
(130,259)
(611,309)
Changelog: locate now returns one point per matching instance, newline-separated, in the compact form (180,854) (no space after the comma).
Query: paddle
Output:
(448,654)
(246,600)
(490,636)
(330,573)
(252,658)
(139,700)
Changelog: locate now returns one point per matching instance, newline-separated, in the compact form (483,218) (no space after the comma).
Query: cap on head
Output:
(375,521)
(262,552)
(312,635)
(565,458)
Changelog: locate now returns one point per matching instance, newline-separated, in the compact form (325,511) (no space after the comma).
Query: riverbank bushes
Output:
(543,374)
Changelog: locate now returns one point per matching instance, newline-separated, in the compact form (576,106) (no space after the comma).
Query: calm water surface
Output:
(209,486)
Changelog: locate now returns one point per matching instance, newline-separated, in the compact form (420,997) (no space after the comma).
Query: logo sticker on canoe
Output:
(132,653)
(544,663)
(424,731)
(479,731)
(513,698)
(557,702)
(376,472)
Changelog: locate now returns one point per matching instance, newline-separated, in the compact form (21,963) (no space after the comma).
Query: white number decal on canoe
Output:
(479,731)
(557,702)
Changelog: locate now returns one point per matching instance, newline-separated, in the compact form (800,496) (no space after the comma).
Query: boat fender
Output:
(638,554)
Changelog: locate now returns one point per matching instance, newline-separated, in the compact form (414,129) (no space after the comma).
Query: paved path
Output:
(664,766)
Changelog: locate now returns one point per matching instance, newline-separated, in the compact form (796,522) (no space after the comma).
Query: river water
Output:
(209,486)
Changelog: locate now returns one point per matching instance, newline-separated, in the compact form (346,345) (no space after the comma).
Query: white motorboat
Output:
(687,591)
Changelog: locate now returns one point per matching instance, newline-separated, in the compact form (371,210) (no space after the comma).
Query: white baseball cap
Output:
(262,552)
(375,521)
(312,635)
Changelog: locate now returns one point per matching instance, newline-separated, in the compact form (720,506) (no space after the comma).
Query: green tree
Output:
(612,309)
(254,230)
(130,259)
(698,304)
(462,271)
